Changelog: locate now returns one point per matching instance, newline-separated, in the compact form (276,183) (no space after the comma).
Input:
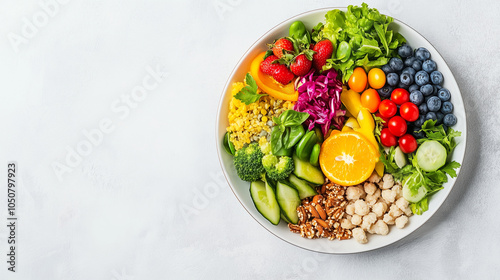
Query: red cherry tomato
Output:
(409,111)
(400,96)
(386,120)
(370,100)
(397,126)
(407,143)
(387,139)
(387,108)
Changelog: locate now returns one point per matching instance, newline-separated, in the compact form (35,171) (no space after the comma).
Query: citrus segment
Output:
(270,86)
(347,158)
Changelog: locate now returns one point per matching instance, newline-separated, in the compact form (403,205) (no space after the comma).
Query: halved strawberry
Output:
(324,50)
(267,66)
(282,74)
(282,45)
(301,65)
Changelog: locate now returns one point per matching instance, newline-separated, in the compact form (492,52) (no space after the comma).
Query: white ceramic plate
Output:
(241,188)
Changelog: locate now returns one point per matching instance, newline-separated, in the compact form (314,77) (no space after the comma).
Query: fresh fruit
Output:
(434,104)
(267,66)
(429,66)
(393,79)
(370,99)
(444,94)
(281,46)
(352,101)
(324,50)
(347,158)
(301,65)
(397,126)
(405,51)
(416,97)
(407,143)
(385,91)
(396,64)
(446,107)
(409,111)
(427,89)
(376,78)
(358,80)
(431,155)
(406,78)
(421,78)
(436,77)
(422,54)
(449,120)
(282,74)
(387,108)
(268,85)
(387,138)
(400,96)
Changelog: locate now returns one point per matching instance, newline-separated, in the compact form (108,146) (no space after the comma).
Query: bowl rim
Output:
(218,147)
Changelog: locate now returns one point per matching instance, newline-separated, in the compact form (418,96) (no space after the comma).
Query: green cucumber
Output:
(265,201)
(304,189)
(283,217)
(306,171)
(431,155)
(288,200)
(411,181)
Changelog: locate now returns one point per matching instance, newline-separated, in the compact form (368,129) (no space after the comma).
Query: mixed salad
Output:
(343,128)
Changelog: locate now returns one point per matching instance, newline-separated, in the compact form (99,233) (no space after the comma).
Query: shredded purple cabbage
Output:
(319,96)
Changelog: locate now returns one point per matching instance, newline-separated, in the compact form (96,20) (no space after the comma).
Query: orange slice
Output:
(347,158)
(270,86)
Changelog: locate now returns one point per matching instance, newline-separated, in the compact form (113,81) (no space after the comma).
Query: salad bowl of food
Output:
(341,130)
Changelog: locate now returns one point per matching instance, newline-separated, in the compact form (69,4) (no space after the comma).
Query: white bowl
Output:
(241,188)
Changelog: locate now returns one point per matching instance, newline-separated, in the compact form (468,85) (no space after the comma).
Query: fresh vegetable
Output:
(411,182)
(431,155)
(288,200)
(400,96)
(399,157)
(299,32)
(352,101)
(302,187)
(305,145)
(265,201)
(228,145)
(277,168)
(397,126)
(306,171)
(387,108)
(370,100)
(358,80)
(249,94)
(314,158)
(286,132)
(365,31)
(323,51)
(319,96)
(282,46)
(268,84)
(248,163)
(376,78)
(409,111)
(407,143)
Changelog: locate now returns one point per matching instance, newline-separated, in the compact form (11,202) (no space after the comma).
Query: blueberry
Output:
(440,117)
(401,85)
(422,54)
(418,134)
(427,89)
(422,109)
(449,120)
(420,121)
(417,65)
(385,91)
(405,50)
(396,64)
(416,97)
(409,61)
(392,79)
(413,88)
(410,71)
(447,107)
(429,66)
(434,104)
(436,89)
(421,78)
(436,77)
(387,69)
(444,94)
(431,115)
(406,79)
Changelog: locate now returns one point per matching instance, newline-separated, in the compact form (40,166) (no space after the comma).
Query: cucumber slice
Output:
(399,157)
(410,181)
(288,200)
(431,155)
(283,217)
(265,201)
(302,187)
(306,171)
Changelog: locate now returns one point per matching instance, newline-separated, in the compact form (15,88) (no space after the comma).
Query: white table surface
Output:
(117,212)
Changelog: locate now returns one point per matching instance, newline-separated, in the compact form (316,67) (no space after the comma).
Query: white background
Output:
(118,212)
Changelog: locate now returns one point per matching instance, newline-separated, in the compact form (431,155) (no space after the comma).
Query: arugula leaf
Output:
(248,94)
(436,132)
(450,167)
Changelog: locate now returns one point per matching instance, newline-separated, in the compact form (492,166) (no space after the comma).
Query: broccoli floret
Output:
(278,168)
(248,163)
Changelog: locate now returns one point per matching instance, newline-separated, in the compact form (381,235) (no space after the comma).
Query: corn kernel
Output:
(264,119)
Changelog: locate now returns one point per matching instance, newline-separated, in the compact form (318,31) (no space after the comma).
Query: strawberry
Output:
(301,65)
(267,66)
(324,50)
(282,45)
(282,74)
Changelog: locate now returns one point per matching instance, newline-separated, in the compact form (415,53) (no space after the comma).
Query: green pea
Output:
(299,32)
